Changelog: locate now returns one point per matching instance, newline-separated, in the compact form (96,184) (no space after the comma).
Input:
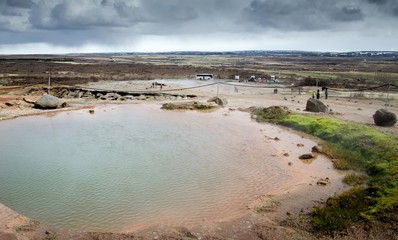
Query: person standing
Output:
(326,93)
(313,94)
(318,94)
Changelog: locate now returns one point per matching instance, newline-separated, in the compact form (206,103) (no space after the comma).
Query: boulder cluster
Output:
(68,93)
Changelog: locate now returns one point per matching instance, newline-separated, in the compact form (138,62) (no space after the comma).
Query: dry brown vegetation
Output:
(299,70)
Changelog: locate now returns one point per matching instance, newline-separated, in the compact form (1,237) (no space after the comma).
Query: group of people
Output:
(318,94)
(154,84)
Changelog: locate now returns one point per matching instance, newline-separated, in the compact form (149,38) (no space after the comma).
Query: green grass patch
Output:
(187,106)
(357,144)
(340,211)
(351,146)
(272,114)
(355,179)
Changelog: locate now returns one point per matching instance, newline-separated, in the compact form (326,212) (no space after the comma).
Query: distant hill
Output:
(388,54)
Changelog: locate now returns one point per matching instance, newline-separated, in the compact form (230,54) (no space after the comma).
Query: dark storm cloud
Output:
(10,12)
(388,7)
(13,15)
(72,14)
(377,2)
(205,14)
(347,14)
(20,3)
(301,15)
(169,10)
(175,14)
(111,22)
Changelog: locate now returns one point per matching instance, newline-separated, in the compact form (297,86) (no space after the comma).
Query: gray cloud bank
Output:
(134,25)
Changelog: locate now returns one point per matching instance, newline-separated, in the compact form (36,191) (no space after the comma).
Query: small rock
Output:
(185,232)
(300,145)
(317,149)
(276,139)
(141,97)
(91,111)
(306,156)
(323,181)
(111,96)
(290,164)
(286,154)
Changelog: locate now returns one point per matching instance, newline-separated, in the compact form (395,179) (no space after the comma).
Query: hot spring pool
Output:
(135,165)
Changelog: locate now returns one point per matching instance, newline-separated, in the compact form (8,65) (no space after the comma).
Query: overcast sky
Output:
(74,26)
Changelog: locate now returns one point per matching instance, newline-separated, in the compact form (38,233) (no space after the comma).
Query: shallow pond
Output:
(137,165)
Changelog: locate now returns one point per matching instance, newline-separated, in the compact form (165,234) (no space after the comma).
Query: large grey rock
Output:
(111,96)
(219,101)
(314,105)
(384,118)
(47,102)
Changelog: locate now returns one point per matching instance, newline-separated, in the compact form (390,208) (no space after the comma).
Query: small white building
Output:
(272,78)
(237,77)
(204,76)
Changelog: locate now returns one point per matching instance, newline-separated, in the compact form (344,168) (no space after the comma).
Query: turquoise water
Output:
(133,165)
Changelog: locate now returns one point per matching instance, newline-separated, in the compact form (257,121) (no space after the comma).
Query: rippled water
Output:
(133,165)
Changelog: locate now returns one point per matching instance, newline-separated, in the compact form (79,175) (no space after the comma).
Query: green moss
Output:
(355,179)
(356,143)
(202,107)
(272,114)
(340,211)
(186,106)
